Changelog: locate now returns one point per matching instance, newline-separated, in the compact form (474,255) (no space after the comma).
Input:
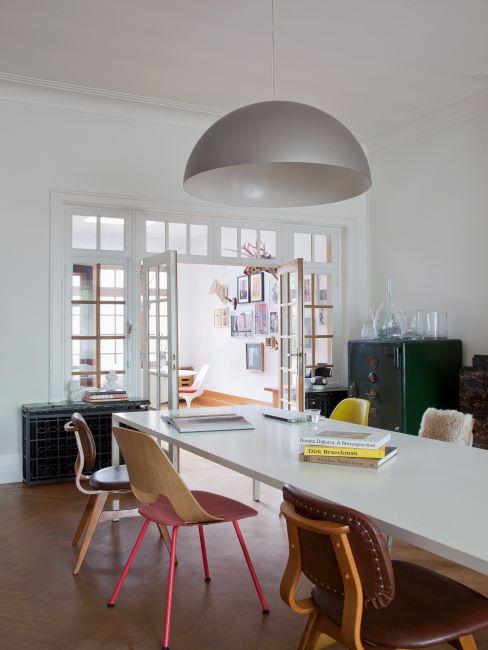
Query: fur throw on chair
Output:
(450,426)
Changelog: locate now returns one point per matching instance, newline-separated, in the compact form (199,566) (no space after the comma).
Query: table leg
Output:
(115,461)
(256,490)
(323,641)
(174,456)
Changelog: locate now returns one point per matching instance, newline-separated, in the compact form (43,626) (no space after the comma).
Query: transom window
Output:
(247,242)
(184,238)
(97,322)
(94,232)
(312,247)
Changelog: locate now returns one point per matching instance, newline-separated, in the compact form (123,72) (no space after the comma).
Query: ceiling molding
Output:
(98,92)
(449,109)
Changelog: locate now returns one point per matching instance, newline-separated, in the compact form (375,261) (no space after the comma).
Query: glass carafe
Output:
(389,322)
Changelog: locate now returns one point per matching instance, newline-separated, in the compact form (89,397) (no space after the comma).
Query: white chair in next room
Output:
(196,389)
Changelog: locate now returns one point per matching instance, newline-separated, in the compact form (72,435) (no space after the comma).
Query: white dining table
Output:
(432,494)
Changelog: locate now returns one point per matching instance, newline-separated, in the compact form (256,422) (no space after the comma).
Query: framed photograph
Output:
(255,357)
(217,318)
(256,287)
(224,317)
(273,322)
(233,324)
(242,288)
(245,323)
(272,292)
(307,289)
(261,319)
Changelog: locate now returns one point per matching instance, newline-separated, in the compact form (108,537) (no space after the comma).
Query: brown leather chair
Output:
(104,485)
(360,596)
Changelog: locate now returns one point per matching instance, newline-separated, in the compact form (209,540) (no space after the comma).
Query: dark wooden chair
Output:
(102,487)
(360,596)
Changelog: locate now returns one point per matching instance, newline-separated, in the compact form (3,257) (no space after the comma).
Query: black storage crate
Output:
(325,400)
(49,453)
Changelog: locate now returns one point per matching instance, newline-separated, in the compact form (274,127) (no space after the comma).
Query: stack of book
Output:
(97,396)
(347,449)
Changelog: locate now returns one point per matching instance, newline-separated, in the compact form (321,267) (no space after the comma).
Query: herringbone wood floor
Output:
(44,607)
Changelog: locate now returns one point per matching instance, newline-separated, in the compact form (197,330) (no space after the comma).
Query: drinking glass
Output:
(367,331)
(436,325)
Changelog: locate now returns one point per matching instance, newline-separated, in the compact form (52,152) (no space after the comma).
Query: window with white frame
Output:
(103,251)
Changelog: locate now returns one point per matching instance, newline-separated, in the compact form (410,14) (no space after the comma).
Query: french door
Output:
(160,349)
(291,364)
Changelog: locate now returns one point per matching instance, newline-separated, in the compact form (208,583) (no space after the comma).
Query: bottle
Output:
(389,322)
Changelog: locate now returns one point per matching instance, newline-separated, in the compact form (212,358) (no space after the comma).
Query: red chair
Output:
(169,502)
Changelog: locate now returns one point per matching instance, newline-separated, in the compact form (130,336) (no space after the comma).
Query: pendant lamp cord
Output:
(273,19)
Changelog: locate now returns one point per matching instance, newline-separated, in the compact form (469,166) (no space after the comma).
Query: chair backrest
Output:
(449,426)
(368,545)
(85,437)
(151,474)
(200,378)
(353,410)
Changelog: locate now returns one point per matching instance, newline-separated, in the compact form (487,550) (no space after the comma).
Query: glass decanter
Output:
(389,322)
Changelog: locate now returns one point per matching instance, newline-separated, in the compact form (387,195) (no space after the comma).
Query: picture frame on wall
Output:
(242,289)
(255,357)
(261,319)
(256,287)
(273,322)
(233,324)
(217,318)
(245,323)
(272,292)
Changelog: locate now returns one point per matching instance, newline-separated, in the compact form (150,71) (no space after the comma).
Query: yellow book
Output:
(343,452)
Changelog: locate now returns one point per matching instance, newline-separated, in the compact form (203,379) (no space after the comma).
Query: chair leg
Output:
(204,552)
(262,600)
(464,643)
(84,519)
(128,564)
(166,537)
(92,524)
(169,595)
(310,633)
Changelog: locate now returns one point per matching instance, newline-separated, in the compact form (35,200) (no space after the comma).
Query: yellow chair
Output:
(353,410)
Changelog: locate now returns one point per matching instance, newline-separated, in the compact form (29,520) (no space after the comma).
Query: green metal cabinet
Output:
(402,379)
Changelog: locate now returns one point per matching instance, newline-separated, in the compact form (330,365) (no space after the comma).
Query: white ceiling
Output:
(371,63)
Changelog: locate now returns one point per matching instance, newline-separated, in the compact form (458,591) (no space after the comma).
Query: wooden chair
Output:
(360,597)
(102,487)
(169,502)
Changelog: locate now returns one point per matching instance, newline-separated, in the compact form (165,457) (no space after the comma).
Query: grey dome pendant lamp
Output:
(277,154)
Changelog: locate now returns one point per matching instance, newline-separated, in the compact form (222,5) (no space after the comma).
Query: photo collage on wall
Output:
(255,316)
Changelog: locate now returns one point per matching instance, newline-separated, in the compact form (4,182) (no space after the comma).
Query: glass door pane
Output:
(291,335)
(160,358)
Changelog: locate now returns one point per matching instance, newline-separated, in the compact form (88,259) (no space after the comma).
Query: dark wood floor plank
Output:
(43,606)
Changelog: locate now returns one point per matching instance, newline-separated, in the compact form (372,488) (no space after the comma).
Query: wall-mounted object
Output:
(255,357)
(273,322)
(220,290)
(261,319)
(221,317)
(242,289)
(256,287)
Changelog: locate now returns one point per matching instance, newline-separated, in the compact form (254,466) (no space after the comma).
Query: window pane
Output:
(84,356)
(163,355)
(84,282)
(86,381)
(198,239)
(155,236)
(112,282)
(111,320)
(323,321)
(153,362)
(323,290)
(177,238)
(83,320)
(249,239)
(302,246)
(112,234)
(323,351)
(321,248)
(84,232)
(228,242)
(112,354)
(151,317)
(268,243)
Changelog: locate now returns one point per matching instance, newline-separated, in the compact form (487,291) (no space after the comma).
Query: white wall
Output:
(201,342)
(429,226)
(56,140)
